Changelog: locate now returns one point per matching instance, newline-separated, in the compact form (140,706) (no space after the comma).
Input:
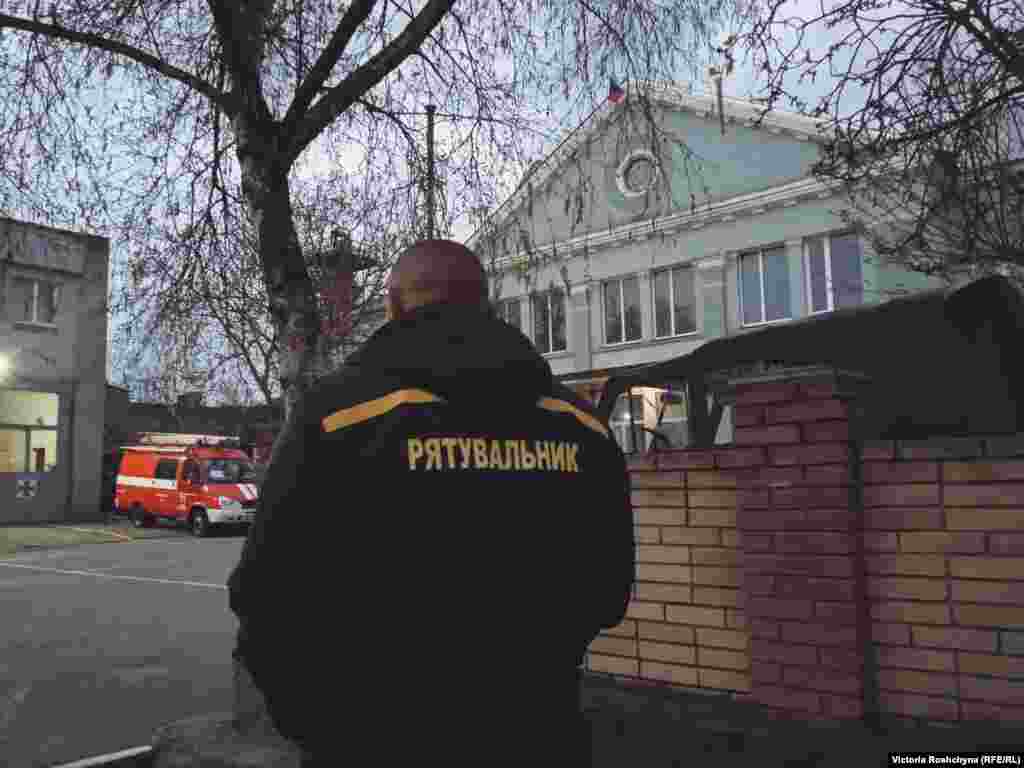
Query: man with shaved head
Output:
(442,531)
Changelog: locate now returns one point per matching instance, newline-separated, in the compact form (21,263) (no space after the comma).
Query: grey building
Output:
(53,359)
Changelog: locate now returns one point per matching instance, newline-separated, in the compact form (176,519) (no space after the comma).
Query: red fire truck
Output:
(198,480)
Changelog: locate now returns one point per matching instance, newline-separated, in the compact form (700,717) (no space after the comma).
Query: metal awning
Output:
(945,361)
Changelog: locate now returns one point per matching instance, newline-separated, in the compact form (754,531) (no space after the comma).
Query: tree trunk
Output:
(293,305)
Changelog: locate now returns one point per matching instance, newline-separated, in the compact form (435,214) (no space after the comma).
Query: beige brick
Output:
(704,479)
(659,516)
(677,574)
(669,673)
(733,539)
(647,534)
(616,646)
(664,593)
(988,591)
(659,497)
(955,638)
(714,596)
(985,519)
(982,471)
(678,654)
(689,536)
(716,577)
(626,629)
(723,638)
(715,498)
(715,556)
(721,518)
(614,665)
(1001,616)
(917,682)
(668,633)
(915,658)
(656,479)
(987,567)
(942,541)
(663,554)
(721,679)
(645,611)
(986,664)
(715,657)
(695,615)
(909,565)
(911,613)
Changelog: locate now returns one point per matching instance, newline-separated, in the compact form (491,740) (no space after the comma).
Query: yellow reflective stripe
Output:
(561,406)
(374,408)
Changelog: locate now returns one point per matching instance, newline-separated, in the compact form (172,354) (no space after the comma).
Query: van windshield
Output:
(229,471)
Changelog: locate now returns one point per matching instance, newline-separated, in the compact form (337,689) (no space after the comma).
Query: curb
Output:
(137,757)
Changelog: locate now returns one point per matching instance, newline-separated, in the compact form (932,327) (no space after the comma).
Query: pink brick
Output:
(1006,543)
(880,542)
(787,698)
(838,613)
(818,390)
(821,679)
(769,435)
(755,394)
(819,634)
(837,566)
(842,707)
(822,453)
(816,410)
(878,449)
(685,459)
(765,672)
(826,431)
(758,542)
(987,689)
(893,634)
(827,474)
(815,589)
(916,494)
(764,628)
(977,710)
(896,519)
(779,609)
(740,457)
(823,543)
(771,476)
(748,415)
(840,658)
(895,472)
(803,655)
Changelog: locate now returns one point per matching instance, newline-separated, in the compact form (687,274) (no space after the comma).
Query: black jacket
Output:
(440,518)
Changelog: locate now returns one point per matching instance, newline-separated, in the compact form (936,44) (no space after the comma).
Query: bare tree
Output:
(924,116)
(167,122)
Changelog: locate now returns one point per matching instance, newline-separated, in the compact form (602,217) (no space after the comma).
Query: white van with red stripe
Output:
(198,480)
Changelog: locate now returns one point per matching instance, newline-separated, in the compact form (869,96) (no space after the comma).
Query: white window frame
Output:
(760,267)
(829,291)
(36,282)
(622,311)
(672,298)
(550,328)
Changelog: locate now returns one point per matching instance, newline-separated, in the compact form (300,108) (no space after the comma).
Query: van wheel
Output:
(200,524)
(139,517)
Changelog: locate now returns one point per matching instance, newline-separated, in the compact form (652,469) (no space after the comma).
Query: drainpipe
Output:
(69,441)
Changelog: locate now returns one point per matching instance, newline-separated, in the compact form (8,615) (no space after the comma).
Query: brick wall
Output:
(777,569)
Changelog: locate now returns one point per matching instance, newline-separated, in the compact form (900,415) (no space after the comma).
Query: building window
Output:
(626,421)
(508,310)
(833,268)
(34,301)
(549,321)
(671,410)
(764,286)
(28,431)
(166,469)
(675,302)
(622,311)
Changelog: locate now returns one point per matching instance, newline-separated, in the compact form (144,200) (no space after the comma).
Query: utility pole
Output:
(430,171)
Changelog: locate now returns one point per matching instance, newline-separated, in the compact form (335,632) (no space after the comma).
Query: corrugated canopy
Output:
(938,362)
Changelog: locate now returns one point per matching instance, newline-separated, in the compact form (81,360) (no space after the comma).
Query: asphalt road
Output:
(101,644)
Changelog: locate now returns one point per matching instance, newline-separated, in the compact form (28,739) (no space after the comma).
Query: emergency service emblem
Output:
(26,486)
